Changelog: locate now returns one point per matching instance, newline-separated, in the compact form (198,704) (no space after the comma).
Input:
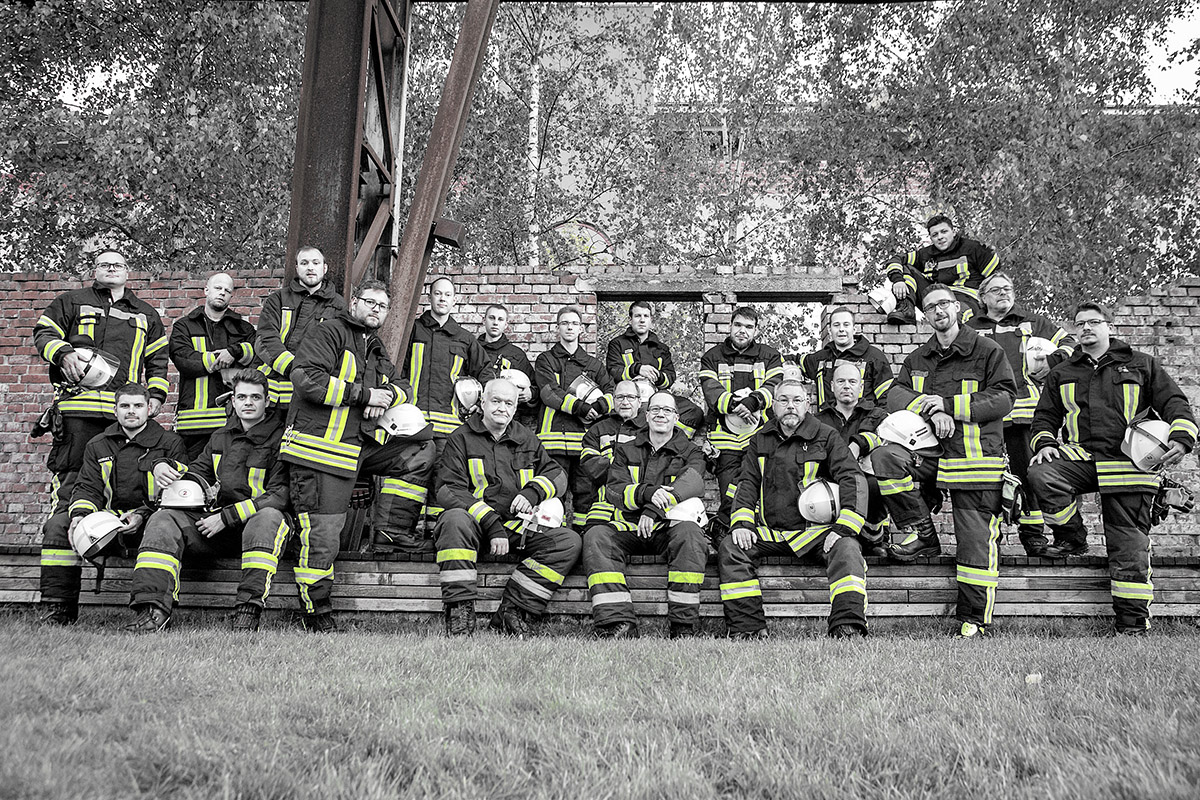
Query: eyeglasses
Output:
(940,305)
(1000,290)
(382,305)
(625,397)
(656,411)
(1090,323)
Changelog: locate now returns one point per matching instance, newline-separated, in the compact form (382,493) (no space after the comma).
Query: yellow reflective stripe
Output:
(1071,420)
(260,559)
(404,489)
(544,484)
(479,510)
(82,505)
(308,576)
(531,586)
(52,348)
(1122,474)
(962,406)
(456,554)
(245,509)
(106,467)
(544,571)
(851,519)
(315,449)
(605,577)
(627,360)
(918,384)
(1130,590)
(1130,393)
(479,481)
(695,578)
(735,591)
(798,540)
(850,583)
(256,478)
(889,486)
(978,577)
(1061,517)
(524,476)
(1185,426)
(282,362)
(743,515)
(416,359)
(60,558)
(44,320)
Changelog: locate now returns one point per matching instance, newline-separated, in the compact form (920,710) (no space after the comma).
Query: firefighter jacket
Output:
(482,475)
(438,355)
(725,370)
(287,317)
(639,470)
(127,329)
(962,266)
(626,355)
(596,457)
(245,467)
(195,342)
(873,366)
(117,472)
(859,427)
(775,470)
(561,428)
(505,354)
(1092,404)
(1012,332)
(337,366)
(975,382)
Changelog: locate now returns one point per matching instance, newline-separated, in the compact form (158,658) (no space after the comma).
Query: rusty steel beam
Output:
(437,170)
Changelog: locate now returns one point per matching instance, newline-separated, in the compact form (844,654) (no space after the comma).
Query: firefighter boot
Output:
(510,619)
(920,539)
(56,612)
(149,619)
(245,617)
(460,618)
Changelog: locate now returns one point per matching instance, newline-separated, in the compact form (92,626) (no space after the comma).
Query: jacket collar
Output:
(499,344)
(325,291)
(148,437)
(807,430)
(963,344)
(1015,314)
(451,325)
(197,313)
(1118,351)
(858,348)
(632,336)
(260,433)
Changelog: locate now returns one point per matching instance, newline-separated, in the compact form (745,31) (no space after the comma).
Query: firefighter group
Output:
(473,452)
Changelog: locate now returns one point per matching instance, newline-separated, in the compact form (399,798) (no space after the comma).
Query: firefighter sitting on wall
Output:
(950,259)
(597,454)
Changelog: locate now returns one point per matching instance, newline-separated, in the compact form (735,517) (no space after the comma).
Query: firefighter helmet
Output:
(518,379)
(882,299)
(1146,443)
(690,510)
(907,429)
(585,389)
(404,419)
(99,367)
(467,393)
(820,502)
(740,427)
(645,390)
(1036,350)
(94,532)
(792,372)
(190,491)
(547,514)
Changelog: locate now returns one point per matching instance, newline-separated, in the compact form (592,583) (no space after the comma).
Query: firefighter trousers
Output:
(727,469)
(605,550)
(545,561)
(320,500)
(741,594)
(171,534)
(1126,517)
(584,491)
(1030,527)
(976,515)
(62,567)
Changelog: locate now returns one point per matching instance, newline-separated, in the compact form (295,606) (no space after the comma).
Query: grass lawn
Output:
(394,710)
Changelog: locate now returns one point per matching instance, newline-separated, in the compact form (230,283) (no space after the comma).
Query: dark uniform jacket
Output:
(117,472)
(638,471)
(873,366)
(1091,404)
(962,266)
(561,428)
(1012,332)
(128,329)
(596,457)
(482,475)
(724,370)
(438,355)
(287,317)
(626,355)
(338,365)
(505,354)
(973,378)
(246,467)
(859,427)
(776,466)
(195,342)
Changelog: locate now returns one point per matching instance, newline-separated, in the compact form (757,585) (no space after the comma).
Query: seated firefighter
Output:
(597,454)
(800,492)
(650,479)
(243,512)
(492,475)
(114,481)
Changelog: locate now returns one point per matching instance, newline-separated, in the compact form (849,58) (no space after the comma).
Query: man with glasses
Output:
(344,382)
(847,346)
(960,383)
(597,453)
(950,259)
(650,475)
(1087,403)
(1011,326)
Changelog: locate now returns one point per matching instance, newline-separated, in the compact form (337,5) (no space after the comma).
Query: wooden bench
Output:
(1028,586)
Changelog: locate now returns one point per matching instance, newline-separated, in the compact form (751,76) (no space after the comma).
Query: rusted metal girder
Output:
(437,170)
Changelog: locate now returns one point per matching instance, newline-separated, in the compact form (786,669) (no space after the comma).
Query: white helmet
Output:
(585,389)
(1037,349)
(99,367)
(865,465)
(1146,443)
(518,379)
(645,390)
(690,510)
(792,372)
(739,427)
(820,502)
(403,420)
(190,491)
(467,393)
(547,514)
(93,533)
(882,299)
(907,429)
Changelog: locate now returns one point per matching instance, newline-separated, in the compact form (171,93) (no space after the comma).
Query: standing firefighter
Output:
(950,259)
(344,385)
(959,385)
(497,482)
(242,513)
(1099,401)
(96,339)
(800,493)
(650,478)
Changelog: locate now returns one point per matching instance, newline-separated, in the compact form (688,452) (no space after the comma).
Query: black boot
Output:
(920,539)
(905,313)
(510,619)
(57,612)
(460,618)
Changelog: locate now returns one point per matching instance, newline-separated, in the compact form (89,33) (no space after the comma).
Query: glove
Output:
(835,533)
(752,402)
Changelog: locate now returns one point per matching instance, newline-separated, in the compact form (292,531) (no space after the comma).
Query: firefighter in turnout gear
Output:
(206,344)
(115,475)
(575,392)
(650,475)
(738,378)
(344,383)
(245,516)
(792,452)
(597,454)
(951,260)
(493,475)
(961,383)
(846,345)
(1013,328)
(1091,399)
(105,317)
(289,315)
(503,356)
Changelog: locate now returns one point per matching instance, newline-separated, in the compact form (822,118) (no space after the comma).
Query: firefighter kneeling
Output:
(775,514)
(240,477)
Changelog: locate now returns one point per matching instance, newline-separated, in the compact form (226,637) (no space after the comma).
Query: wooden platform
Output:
(1028,586)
